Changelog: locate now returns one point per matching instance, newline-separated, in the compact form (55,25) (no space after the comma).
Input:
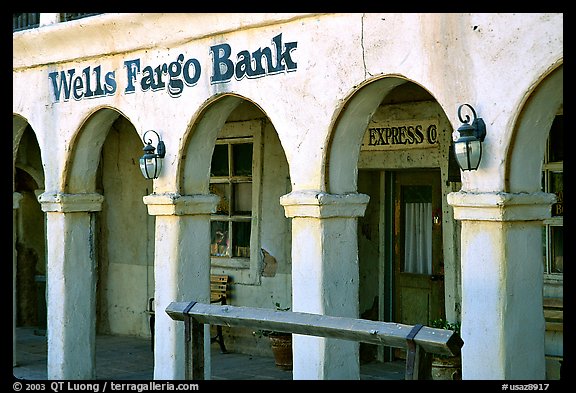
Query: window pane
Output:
(557,187)
(219,245)
(222,190)
(242,159)
(417,194)
(557,139)
(241,235)
(219,166)
(243,198)
(417,205)
(545,248)
(557,249)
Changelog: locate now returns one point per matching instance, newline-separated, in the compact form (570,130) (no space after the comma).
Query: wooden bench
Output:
(554,317)
(554,314)
(219,293)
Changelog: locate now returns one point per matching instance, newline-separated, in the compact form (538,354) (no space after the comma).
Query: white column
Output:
(325,277)
(181,273)
(71,284)
(502,281)
(49,18)
(16,198)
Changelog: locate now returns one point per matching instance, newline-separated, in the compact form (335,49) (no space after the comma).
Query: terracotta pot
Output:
(447,368)
(282,350)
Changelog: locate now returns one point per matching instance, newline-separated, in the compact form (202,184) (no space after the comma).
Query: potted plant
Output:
(446,366)
(281,344)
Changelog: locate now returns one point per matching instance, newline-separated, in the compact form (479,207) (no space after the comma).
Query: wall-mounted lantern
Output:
(150,162)
(468,146)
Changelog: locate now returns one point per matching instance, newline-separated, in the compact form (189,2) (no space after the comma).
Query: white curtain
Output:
(418,238)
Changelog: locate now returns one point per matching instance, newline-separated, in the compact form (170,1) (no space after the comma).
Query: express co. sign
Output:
(401,135)
(173,77)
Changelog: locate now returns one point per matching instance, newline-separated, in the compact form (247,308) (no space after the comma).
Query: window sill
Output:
(235,263)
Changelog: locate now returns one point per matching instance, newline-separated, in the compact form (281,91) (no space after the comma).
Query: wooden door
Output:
(418,265)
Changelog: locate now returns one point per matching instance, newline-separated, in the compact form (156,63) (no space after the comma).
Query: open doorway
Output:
(400,251)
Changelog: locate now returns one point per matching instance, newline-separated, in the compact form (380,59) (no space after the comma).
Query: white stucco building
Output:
(308,157)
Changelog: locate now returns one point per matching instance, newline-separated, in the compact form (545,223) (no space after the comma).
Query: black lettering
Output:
(259,69)
(98,73)
(191,80)
(175,84)
(158,72)
(381,141)
(110,83)
(402,132)
(559,209)
(372,141)
(78,90)
(222,66)
(432,134)
(243,64)
(64,85)
(395,139)
(147,80)
(418,135)
(410,134)
(132,69)
(283,57)
(388,135)
(86,71)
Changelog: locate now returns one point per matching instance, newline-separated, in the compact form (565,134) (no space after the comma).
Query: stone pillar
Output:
(71,284)
(49,18)
(181,273)
(16,198)
(502,280)
(325,277)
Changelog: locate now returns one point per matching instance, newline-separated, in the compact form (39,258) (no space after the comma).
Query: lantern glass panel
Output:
(150,167)
(468,154)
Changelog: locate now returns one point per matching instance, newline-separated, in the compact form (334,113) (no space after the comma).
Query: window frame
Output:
(548,168)
(253,137)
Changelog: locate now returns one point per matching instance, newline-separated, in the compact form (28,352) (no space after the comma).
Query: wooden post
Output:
(194,346)
(418,361)
(422,368)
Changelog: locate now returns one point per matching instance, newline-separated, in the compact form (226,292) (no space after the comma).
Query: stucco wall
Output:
(489,60)
(330,81)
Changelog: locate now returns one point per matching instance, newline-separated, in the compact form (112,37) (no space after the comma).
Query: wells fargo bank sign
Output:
(406,134)
(173,77)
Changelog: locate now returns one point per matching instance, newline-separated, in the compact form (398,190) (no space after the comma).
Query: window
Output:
(417,201)
(68,16)
(552,181)
(231,179)
(31,20)
(23,21)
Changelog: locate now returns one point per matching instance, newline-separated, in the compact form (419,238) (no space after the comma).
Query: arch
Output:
(194,167)
(81,165)
(344,146)
(526,153)
(29,251)
(20,129)
(234,119)
(36,174)
(19,125)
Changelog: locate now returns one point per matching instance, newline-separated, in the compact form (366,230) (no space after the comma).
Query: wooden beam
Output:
(432,340)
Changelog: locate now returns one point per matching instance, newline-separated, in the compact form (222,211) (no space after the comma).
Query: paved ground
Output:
(129,358)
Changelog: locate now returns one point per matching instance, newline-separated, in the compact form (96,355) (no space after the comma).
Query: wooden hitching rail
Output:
(419,341)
